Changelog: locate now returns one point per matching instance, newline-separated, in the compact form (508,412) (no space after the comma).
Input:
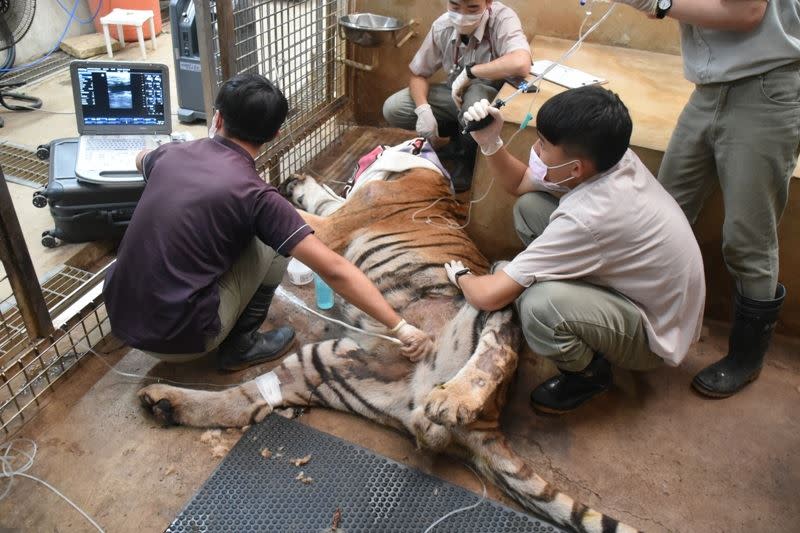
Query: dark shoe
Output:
(461,175)
(458,157)
(253,348)
(245,345)
(753,324)
(569,390)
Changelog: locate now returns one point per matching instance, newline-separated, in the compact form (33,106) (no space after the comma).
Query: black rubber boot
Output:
(753,323)
(458,157)
(569,390)
(245,346)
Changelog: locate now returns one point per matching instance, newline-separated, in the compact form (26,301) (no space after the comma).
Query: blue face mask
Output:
(539,171)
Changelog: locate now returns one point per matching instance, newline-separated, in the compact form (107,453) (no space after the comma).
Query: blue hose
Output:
(58,43)
(81,21)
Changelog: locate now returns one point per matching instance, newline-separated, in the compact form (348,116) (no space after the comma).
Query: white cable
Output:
(298,302)
(9,453)
(162,380)
(461,509)
(449,223)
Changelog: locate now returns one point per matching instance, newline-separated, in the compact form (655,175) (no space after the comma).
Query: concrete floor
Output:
(650,452)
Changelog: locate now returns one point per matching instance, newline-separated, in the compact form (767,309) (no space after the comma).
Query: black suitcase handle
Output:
(121,222)
(108,215)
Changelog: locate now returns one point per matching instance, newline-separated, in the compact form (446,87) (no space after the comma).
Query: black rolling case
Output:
(83,211)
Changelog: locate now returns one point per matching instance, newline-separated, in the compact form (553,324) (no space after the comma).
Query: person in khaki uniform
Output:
(477,43)
(611,272)
(741,129)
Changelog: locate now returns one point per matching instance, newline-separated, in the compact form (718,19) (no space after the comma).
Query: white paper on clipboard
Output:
(566,76)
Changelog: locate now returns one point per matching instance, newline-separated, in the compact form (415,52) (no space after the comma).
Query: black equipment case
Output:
(83,211)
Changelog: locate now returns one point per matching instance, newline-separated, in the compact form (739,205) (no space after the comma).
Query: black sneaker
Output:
(569,390)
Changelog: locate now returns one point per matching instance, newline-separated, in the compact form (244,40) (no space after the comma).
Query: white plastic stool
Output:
(129,17)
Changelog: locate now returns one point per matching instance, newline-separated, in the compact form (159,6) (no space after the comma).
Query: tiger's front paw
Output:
(452,404)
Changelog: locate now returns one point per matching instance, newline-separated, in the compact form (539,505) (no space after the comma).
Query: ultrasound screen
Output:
(121,96)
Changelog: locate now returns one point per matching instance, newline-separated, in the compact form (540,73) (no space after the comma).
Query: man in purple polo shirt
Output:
(209,243)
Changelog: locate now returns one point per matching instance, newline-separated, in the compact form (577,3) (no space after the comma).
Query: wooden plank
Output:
(19,268)
(206,47)
(87,45)
(226,29)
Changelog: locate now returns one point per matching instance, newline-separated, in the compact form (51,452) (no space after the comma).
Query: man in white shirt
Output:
(477,43)
(612,272)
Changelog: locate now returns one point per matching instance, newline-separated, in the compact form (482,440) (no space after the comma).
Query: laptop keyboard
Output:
(116,142)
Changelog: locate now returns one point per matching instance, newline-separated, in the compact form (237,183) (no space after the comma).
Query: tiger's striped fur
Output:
(452,400)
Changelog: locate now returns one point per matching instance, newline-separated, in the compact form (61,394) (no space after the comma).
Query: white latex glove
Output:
(453,267)
(426,123)
(648,6)
(416,343)
(489,137)
(460,85)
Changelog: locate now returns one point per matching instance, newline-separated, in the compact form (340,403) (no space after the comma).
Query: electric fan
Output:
(16,17)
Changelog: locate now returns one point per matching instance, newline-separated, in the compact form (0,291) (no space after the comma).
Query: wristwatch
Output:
(468,68)
(662,8)
(460,273)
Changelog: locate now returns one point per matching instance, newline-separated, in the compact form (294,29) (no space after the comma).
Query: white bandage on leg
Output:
(270,388)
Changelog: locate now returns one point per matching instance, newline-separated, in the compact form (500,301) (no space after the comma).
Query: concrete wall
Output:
(48,23)
(556,18)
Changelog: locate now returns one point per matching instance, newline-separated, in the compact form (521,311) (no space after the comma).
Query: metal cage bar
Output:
(295,45)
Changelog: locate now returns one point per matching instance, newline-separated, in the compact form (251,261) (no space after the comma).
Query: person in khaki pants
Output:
(477,43)
(209,243)
(611,272)
(741,129)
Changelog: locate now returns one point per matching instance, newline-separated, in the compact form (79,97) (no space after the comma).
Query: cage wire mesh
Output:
(32,371)
(295,45)
(53,64)
(55,288)
(28,367)
(21,166)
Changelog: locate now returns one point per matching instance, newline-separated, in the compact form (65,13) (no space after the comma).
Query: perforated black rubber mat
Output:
(248,492)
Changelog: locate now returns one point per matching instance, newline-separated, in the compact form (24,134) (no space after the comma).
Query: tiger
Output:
(449,402)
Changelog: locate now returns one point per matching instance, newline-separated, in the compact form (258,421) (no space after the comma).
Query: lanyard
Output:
(456,50)
(458,43)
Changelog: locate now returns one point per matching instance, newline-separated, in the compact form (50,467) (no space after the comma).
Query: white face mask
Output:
(465,24)
(539,171)
(212,130)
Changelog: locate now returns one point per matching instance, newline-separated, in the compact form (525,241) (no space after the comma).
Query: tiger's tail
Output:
(491,453)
